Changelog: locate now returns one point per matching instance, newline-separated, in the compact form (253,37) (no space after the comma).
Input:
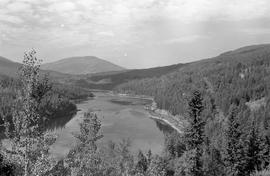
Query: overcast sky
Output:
(131,33)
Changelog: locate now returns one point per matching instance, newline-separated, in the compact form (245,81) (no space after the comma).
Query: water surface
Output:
(121,118)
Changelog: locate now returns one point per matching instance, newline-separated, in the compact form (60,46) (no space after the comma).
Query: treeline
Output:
(58,100)
(108,81)
(240,76)
(223,137)
(71,92)
(192,153)
(235,91)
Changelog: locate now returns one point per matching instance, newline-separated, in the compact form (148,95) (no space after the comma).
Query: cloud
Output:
(10,19)
(106,33)
(18,7)
(185,39)
(60,7)
(107,26)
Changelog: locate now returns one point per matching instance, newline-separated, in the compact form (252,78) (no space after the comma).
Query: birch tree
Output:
(29,142)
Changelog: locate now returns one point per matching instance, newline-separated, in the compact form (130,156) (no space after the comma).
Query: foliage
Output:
(194,135)
(83,159)
(234,149)
(265,172)
(232,80)
(224,137)
(29,142)
(157,167)
(112,79)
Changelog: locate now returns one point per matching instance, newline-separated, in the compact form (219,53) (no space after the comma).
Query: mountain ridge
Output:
(81,65)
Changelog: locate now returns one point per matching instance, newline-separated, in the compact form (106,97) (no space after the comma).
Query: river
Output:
(121,118)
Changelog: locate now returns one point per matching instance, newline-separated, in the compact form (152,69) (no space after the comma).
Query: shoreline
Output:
(152,110)
(177,128)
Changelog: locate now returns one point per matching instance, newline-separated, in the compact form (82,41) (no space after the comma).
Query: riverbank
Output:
(134,96)
(168,120)
(176,122)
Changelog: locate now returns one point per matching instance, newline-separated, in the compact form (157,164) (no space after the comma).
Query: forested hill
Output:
(7,67)
(240,76)
(10,69)
(110,80)
(81,65)
(234,110)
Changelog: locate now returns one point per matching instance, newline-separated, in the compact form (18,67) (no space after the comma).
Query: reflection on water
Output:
(121,118)
(59,122)
(165,128)
(51,124)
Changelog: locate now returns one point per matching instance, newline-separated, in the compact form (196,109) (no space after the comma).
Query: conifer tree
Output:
(234,153)
(157,167)
(142,162)
(264,151)
(252,150)
(194,134)
(212,161)
(149,157)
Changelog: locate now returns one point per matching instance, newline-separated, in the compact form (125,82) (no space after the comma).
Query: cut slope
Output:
(81,65)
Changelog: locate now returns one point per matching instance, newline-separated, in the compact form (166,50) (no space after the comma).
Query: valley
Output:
(134,88)
(153,107)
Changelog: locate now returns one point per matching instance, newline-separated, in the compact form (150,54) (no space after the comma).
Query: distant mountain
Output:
(8,67)
(109,80)
(81,65)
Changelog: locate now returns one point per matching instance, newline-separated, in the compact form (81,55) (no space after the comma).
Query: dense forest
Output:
(57,100)
(225,101)
(110,80)
(235,91)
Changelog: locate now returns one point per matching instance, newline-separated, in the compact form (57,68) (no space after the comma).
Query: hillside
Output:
(81,65)
(238,76)
(7,67)
(234,97)
(110,80)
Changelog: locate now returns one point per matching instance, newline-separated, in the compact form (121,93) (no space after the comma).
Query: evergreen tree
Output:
(264,153)
(194,134)
(234,152)
(142,162)
(6,169)
(149,157)
(212,162)
(252,150)
(157,167)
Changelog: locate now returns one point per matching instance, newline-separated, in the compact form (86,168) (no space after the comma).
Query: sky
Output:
(131,33)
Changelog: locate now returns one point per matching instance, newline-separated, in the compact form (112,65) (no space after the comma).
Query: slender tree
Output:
(234,152)
(194,134)
(252,150)
(29,141)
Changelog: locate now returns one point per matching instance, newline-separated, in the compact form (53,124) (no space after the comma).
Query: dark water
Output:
(121,118)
